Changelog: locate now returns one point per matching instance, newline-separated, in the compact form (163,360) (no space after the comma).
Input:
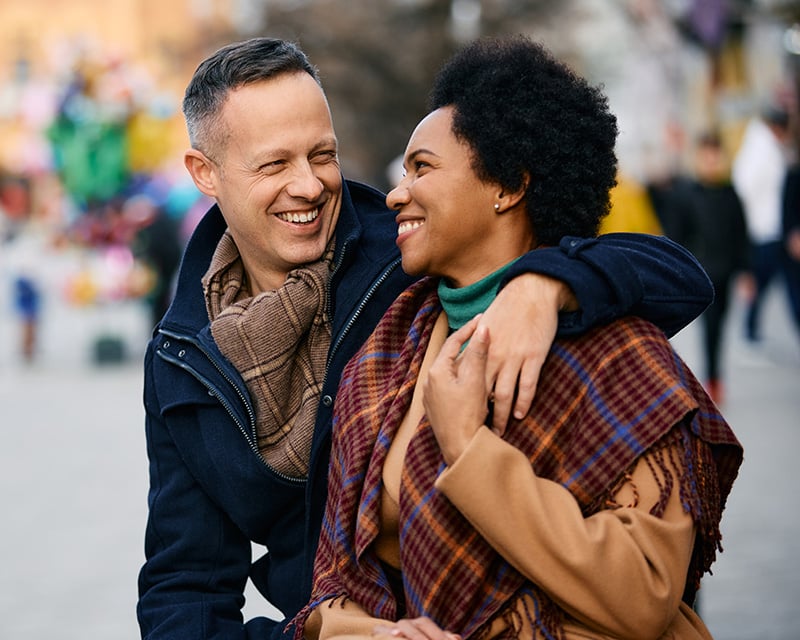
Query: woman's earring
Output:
(497,207)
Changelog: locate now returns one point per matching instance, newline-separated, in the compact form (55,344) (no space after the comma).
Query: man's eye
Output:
(271,167)
(325,156)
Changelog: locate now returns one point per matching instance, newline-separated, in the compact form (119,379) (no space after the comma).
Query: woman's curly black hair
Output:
(524,113)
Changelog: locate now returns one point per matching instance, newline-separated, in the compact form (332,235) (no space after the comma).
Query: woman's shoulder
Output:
(624,339)
(621,371)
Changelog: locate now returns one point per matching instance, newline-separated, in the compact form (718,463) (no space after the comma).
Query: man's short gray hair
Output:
(229,68)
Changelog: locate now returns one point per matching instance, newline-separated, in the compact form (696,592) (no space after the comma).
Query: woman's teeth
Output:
(409,226)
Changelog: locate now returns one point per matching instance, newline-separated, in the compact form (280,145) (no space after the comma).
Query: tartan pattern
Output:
(603,399)
(278,341)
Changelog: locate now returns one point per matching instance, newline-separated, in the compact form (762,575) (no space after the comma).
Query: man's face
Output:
(277,178)
(710,164)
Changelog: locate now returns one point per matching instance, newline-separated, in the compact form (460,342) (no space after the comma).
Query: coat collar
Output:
(187,314)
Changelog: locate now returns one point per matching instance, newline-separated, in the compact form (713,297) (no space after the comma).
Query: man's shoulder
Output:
(369,215)
(365,194)
(368,202)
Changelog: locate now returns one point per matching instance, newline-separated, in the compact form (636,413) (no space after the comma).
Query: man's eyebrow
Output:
(327,142)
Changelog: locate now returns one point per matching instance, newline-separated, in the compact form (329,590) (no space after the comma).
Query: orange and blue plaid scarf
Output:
(604,399)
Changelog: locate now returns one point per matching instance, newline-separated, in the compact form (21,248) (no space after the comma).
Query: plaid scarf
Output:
(604,399)
(278,341)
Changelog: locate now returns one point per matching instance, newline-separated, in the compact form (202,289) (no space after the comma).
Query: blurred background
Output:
(95,207)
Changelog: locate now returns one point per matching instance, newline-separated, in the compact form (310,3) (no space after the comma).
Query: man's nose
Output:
(305,183)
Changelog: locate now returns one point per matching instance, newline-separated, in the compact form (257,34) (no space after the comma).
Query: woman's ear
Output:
(507,200)
(202,170)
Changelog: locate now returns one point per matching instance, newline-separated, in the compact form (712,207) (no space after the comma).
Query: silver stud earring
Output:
(497,206)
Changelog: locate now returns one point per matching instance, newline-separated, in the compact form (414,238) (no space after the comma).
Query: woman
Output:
(596,514)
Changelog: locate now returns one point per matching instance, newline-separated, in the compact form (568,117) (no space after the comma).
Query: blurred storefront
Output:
(91,133)
(91,137)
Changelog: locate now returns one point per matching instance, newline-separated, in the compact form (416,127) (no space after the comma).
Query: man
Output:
(280,284)
(711,223)
(758,173)
(790,225)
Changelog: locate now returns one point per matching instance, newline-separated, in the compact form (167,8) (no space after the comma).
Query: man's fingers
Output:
(514,394)
(503,394)
(526,390)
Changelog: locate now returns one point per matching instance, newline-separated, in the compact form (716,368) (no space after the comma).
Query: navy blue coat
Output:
(212,495)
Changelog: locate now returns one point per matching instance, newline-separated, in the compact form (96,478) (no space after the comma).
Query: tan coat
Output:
(619,573)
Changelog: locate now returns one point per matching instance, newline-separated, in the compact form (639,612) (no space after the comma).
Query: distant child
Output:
(27,304)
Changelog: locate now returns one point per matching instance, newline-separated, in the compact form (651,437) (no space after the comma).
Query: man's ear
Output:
(202,171)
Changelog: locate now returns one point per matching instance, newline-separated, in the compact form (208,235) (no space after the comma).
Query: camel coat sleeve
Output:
(619,572)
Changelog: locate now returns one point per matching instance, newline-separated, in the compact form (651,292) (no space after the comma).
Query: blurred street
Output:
(73,482)
(755,587)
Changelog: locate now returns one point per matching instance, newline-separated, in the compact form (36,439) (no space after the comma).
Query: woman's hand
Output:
(455,394)
(415,629)
(522,320)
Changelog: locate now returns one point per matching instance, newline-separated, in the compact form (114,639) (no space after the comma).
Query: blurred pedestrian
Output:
(711,224)
(666,179)
(759,171)
(27,304)
(791,241)
(156,243)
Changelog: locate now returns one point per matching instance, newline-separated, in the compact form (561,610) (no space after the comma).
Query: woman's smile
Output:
(409,225)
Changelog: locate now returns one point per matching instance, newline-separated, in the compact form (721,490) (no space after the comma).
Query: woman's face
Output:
(446,215)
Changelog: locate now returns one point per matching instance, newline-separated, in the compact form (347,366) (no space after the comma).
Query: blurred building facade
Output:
(664,63)
(90,90)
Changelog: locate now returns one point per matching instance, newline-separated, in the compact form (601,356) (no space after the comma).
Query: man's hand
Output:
(522,322)
(414,629)
(455,395)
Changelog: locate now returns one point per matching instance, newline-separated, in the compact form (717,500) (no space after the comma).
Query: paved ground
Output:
(73,484)
(755,589)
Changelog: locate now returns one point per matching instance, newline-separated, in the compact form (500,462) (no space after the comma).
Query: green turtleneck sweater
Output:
(464,303)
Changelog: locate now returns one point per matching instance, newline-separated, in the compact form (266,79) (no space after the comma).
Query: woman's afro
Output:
(526,115)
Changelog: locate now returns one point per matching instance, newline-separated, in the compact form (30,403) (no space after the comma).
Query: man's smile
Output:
(303,217)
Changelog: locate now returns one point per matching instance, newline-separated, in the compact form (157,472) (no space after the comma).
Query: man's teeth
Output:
(299,218)
(409,226)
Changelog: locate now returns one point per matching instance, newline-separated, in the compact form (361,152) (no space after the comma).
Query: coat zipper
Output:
(217,393)
(375,285)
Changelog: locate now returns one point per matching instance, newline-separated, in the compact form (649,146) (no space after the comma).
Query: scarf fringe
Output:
(298,623)
(698,484)
(700,497)
(541,613)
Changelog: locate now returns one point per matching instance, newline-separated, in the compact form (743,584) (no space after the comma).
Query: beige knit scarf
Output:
(278,341)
